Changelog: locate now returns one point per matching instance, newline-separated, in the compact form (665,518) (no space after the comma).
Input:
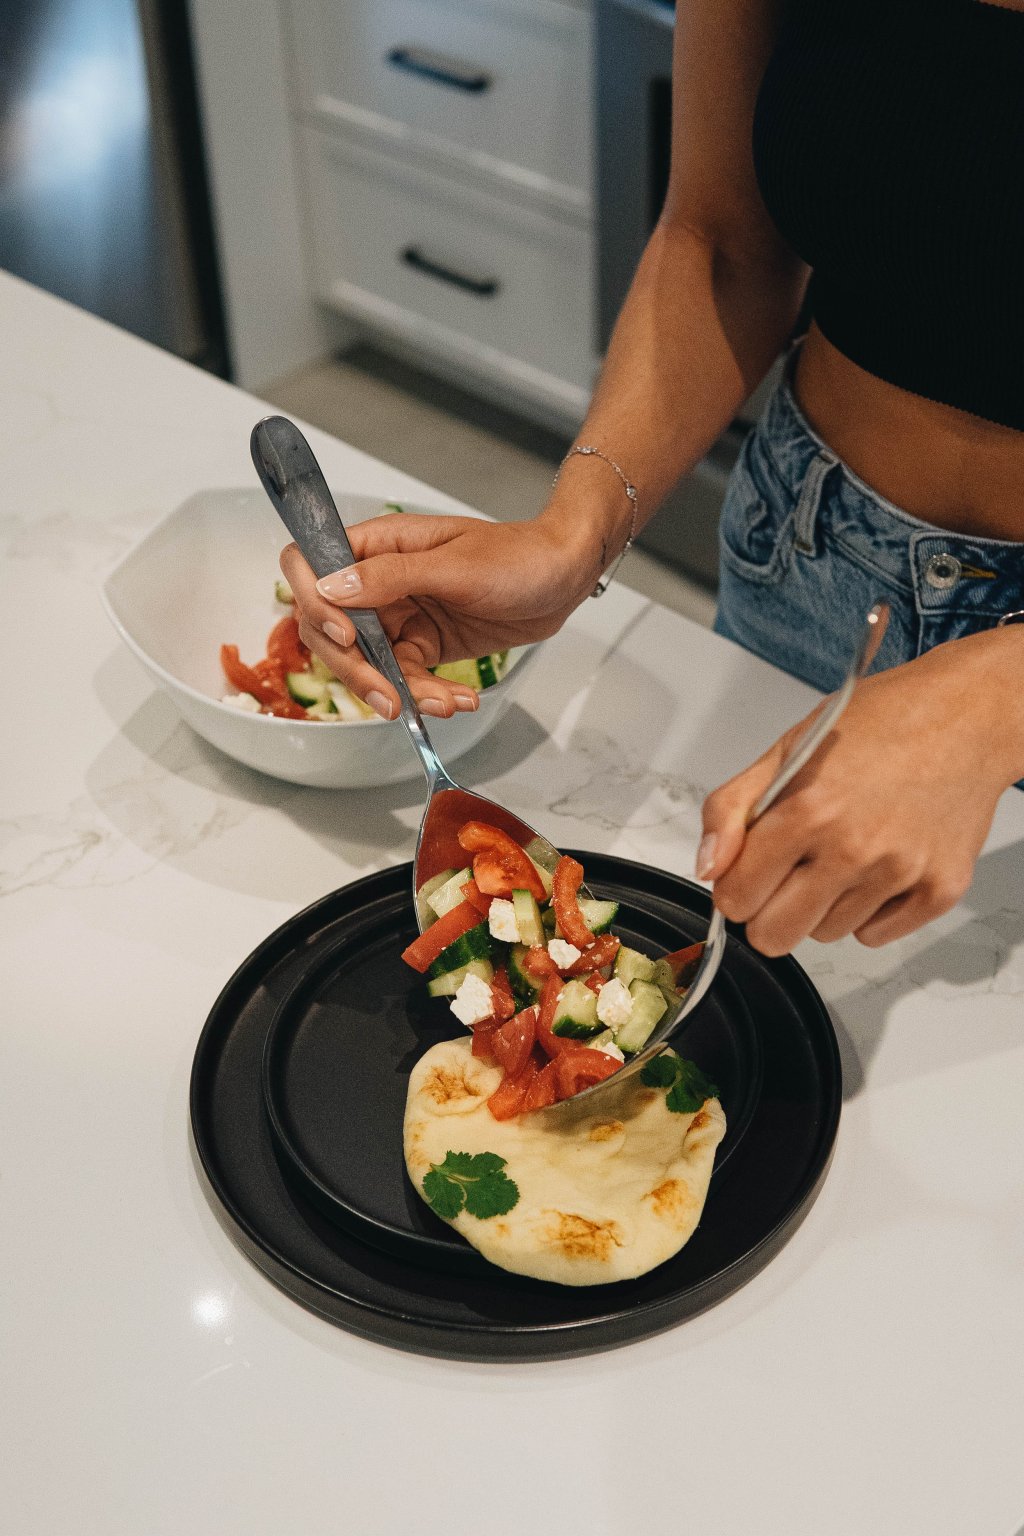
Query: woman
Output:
(884,143)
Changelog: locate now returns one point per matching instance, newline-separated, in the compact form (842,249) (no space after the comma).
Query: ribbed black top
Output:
(889,149)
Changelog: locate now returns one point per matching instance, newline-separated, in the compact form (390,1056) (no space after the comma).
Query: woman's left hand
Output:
(880,832)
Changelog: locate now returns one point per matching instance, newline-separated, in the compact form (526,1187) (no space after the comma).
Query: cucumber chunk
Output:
(648,1007)
(662,975)
(283,592)
(631,965)
(576,1013)
(449,895)
(467,672)
(528,918)
(598,915)
(427,915)
(321,670)
(475,944)
(449,984)
(305,688)
(526,988)
(531,850)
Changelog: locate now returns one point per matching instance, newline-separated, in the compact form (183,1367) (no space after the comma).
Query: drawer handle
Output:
(483,287)
(434,66)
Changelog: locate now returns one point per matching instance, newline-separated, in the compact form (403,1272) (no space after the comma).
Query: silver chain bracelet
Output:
(587,451)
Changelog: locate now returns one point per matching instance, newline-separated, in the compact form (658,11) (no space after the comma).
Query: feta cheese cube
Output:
(610,1049)
(473,1001)
(501,920)
(563,954)
(242,701)
(614,1004)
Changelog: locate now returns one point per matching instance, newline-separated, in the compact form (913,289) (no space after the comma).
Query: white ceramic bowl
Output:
(204,577)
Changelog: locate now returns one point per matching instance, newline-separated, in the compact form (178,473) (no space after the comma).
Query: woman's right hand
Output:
(444,588)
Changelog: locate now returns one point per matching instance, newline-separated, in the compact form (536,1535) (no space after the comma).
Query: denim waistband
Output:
(946,572)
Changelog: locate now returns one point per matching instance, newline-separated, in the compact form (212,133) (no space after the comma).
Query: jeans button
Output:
(943,571)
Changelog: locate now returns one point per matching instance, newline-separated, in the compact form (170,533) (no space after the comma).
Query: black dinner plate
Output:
(298,1092)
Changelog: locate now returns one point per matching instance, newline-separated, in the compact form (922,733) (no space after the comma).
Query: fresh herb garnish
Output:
(687,1086)
(476,1181)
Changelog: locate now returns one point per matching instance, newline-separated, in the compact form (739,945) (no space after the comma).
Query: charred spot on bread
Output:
(580,1238)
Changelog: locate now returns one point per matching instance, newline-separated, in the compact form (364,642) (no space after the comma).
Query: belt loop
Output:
(809,500)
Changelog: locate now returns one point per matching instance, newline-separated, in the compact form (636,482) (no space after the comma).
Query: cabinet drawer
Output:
(448,265)
(502,85)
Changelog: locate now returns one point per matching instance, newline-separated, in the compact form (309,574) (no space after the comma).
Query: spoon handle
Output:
(294,481)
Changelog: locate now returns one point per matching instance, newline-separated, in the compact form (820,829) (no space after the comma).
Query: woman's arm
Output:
(712,304)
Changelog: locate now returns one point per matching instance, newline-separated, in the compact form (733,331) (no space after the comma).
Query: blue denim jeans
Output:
(806,548)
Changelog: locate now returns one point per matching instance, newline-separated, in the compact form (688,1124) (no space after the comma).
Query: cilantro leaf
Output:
(687,1086)
(476,1181)
(659,1072)
(690,1090)
(442,1194)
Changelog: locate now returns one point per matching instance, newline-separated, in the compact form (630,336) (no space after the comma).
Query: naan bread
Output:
(605,1193)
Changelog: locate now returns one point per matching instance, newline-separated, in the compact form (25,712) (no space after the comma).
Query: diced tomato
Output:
(552,1044)
(538,962)
(472,892)
(284,646)
(568,878)
(501,993)
(684,963)
(600,953)
(499,864)
(581,1067)
(483,1037)
(507,1099)
(593,981)
(512,1041)
(423,951)
(271,694)
(543,1090)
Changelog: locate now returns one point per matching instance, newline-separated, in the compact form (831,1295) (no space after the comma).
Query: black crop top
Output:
(889,150)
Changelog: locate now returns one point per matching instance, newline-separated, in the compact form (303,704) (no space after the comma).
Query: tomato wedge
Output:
(499,864)
(538,962)
(483,1037)
(684,963)
(568,878)
(507,1099)
(581,1067)
(271,693)
(601,952)
(423,951)
(284,646)
(512,1042)
(543,1090)
(473,893)
(501,994)
(550,1043)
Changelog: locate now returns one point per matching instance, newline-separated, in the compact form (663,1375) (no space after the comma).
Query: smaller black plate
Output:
(336,1070)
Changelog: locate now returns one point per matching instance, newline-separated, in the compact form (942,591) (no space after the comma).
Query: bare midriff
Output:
(942,465)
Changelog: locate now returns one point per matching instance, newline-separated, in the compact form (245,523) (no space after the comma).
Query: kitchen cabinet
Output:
(444,155)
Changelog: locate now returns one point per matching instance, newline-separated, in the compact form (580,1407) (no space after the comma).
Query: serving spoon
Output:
(294,481)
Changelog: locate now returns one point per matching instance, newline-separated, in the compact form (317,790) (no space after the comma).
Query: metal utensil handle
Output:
(871,638)
(294,481)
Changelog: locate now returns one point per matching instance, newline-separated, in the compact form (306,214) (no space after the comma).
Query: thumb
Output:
(726,812)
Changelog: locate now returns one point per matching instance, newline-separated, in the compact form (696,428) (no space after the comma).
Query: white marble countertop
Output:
(871,1378)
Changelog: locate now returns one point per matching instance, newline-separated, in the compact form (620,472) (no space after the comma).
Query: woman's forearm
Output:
(699,329)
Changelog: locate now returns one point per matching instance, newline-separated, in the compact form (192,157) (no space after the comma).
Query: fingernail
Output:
(706,855)
(380,704)
(466,700)
(336,633)
(341,584)
(433,707)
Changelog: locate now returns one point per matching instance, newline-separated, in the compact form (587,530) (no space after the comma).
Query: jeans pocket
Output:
(753,523)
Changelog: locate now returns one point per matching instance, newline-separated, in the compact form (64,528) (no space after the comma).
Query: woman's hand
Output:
(880,832)
(444,588)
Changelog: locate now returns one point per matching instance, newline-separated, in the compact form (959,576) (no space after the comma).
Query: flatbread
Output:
(605,1193)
